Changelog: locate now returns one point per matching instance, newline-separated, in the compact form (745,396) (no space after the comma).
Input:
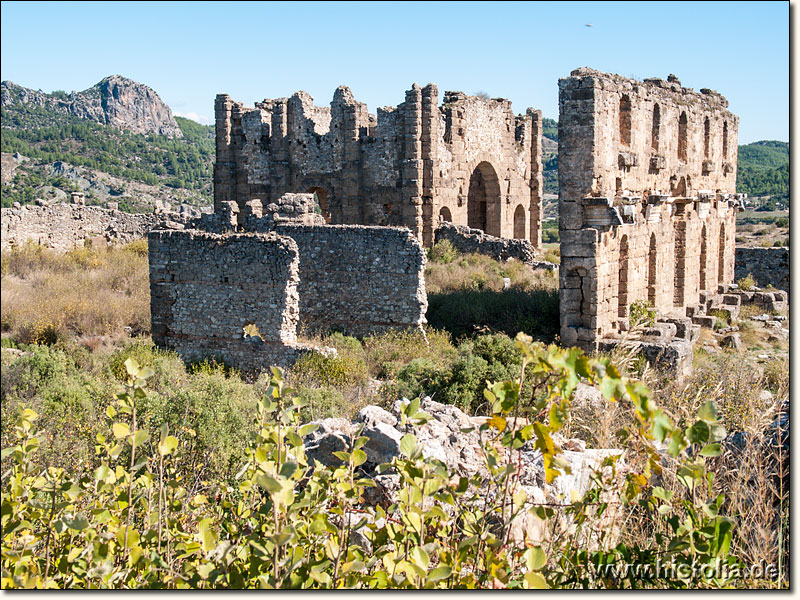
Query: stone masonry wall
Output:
(769,266)
(205,288)
(359,279)
(63,227)
(470,160)
(646,210)
(467,240)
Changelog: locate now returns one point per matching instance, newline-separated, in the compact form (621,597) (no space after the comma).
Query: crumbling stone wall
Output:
(768,266)
(469,160)
(646,209)
(63,227)
(205,288)
(353,278)
(468,240)
(359,279)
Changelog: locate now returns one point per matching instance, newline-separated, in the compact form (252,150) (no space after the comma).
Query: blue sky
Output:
(189,52)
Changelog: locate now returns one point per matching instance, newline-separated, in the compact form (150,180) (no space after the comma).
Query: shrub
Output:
(287,524)
(442,252)
(314,368)
(746,284)
(642,314)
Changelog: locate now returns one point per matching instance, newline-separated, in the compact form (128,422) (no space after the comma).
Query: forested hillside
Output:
(40,133)
(764,171)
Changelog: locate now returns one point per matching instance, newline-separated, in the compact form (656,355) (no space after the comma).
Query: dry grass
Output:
(83,293)
(477,272)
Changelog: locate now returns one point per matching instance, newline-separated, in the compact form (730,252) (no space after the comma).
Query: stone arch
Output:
(652,275)
(721,258)
(683,126)
(622,287)
(519,222)
(703,259)
(484,200)
(656,127)
(321,198)
(445,215)
(625,120)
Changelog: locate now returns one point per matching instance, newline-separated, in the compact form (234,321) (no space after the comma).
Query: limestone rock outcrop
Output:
(115,101)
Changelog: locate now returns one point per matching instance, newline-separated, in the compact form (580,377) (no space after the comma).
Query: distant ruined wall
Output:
(768,266)
(647,171)
(359,279)
(205,288)
(467,240)
(469,160)
(63,227)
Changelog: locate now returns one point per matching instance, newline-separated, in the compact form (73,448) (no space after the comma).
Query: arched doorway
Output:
(444,214)
(519,222)
(483,201)
(321,199)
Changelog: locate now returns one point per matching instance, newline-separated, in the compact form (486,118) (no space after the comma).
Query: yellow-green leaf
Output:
(121,430)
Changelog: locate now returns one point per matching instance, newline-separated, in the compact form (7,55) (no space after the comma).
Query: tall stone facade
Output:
(470,161)
(647,171)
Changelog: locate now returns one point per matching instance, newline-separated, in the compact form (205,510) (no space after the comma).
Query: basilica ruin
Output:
(647,171)
(469,161)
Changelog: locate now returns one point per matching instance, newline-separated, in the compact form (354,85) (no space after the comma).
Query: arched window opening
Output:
(321,202)
(625,121)
(622,288)
(656,127)
(519,222)
(483,200)
(682,136)
(444,214)
(706,138)
(651,270)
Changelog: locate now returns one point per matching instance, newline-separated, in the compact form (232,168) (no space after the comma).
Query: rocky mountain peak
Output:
(116,101)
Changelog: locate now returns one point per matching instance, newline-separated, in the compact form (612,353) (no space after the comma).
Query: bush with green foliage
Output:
(642,314)
(746,284)
(134,522)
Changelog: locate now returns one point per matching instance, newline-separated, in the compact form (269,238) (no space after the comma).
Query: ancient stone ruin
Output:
(647,171)
(470,161)
(240,297)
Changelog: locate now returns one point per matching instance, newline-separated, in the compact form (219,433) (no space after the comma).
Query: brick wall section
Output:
(646,210)
(769,266)
(359,279)
(205,287)
(469,158)
(63,227)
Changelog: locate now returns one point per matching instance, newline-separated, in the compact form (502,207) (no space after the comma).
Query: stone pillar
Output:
(412,175)
(344,114)
(429,137)
(536,182)
(225,165)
